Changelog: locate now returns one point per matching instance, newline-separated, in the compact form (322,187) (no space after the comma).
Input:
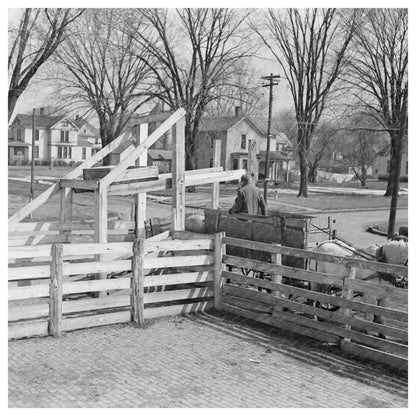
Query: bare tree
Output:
(323,143)
(310,45)
(245,93)
(99,71)
(380,76)
(196,52)
(32,43)
(361,145)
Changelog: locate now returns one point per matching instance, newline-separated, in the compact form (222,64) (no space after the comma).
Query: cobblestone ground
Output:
(203,360)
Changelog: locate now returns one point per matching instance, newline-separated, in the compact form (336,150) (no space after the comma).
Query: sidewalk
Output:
(204,360)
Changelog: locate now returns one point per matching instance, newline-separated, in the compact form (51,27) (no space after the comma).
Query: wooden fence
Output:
(290,307)
(148,278)
(32,233)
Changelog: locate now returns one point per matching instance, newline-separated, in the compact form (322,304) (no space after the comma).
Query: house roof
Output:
(79,122)
(261,125)
(160,154)
(40,120)
(217,123)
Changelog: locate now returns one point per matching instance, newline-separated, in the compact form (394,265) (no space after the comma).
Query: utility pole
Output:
(32,164)
(273,80)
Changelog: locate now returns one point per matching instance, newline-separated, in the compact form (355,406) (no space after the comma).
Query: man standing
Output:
(249,199)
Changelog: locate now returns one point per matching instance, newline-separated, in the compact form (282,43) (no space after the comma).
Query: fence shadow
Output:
(323,355)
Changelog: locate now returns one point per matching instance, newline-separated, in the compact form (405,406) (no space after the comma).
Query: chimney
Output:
(76,117)
(238,111)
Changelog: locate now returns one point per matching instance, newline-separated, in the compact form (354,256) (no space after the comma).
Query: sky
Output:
(37,93)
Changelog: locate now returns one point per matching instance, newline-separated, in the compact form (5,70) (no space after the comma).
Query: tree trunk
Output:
(395,174)
(303,164)
(393,159)
(12,100)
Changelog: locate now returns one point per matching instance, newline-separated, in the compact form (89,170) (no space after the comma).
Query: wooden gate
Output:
(291,307)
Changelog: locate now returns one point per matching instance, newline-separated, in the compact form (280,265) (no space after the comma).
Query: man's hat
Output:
(245,178)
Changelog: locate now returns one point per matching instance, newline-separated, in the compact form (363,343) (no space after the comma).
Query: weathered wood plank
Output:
(91,321)
(97,267)
(394,361)
(55,291)
(90,185)
(179,261)
(219,266)
(151,313)
(31,272)
(179,245)
(176,295)
(137,283)
(27,330)
(16,313)
(106,302)
(95,285)
(377,290)
(178,278)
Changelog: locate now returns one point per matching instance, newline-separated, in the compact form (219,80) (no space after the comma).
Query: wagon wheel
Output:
(333,291)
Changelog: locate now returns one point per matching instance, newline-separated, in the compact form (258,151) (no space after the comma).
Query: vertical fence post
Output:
(178,176)
(348,294)
(219,251)
(276,258)
(216,163)
(137,284)
(55,291)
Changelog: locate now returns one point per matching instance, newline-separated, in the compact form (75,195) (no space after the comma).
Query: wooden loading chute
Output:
(132,177)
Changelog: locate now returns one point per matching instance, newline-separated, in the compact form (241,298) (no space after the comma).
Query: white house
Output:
(235,134)
(56,139)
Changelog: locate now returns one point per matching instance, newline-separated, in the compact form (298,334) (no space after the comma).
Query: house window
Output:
(67,136)
(279,147)
(211,162)
(62,136)
(64,124)
(243,141)
(244,163)
(69,152)
(65,152)
(59,152)
(36,134)
(19,134)
(36,152)
(235,164)
(84,152)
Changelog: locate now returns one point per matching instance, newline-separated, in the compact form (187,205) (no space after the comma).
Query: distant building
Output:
(235,134)
(381,165)
(56,139)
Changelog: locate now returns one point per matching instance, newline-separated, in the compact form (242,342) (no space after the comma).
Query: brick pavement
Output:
(203,360)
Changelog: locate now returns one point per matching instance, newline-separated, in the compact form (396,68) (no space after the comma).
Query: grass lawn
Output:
(18,196)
